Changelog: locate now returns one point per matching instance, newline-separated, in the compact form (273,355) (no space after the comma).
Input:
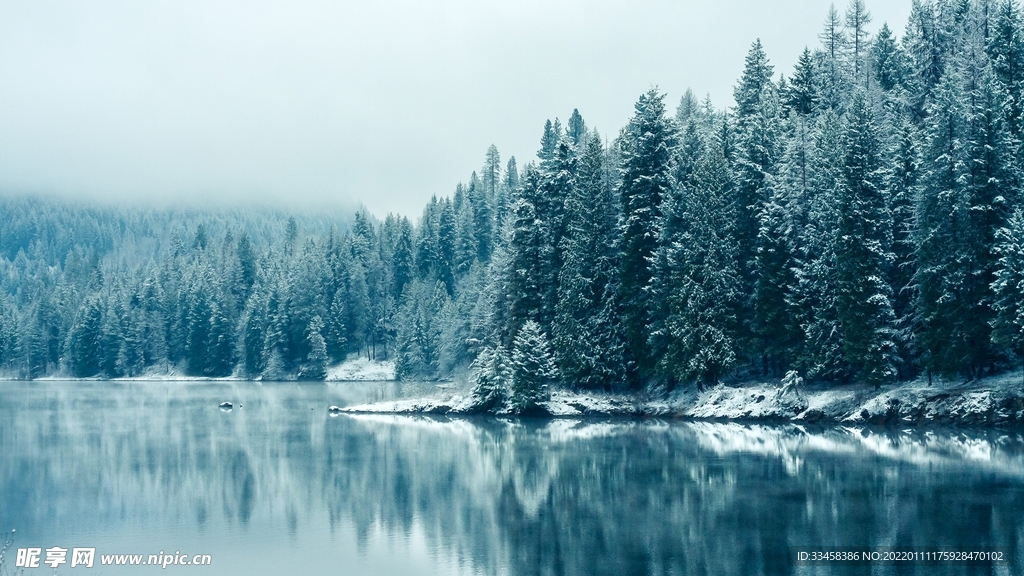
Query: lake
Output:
(278,486)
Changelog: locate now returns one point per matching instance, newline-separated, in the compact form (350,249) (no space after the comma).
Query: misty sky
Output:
(381,102)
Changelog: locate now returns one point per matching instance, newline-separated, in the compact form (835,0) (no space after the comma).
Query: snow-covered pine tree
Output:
(491,317)
(197,335)
(758,151)
(533,369)
(795,180)
(698,273)
(1006,54)
(964,201)
(926,55)
(992,171)
(274,340)
(528,254)
(558,180)
(802,95)
(757,75)
(253,326)
(410,361)
(402,261)
(335,330)
(647,146)
(588,347)
(247,268)
(454,324)
(690,149)
(33,349)
(447,237)
(491,376)
(903,185)
(426,255)
(814,296)
(689,108)
(315,366)
(1008,288)
(83,338)
(480,202)
(358,306)
(863,252)
(220,345)
(775,328)
(509,183)
(111,348)
(887,60)
(134,343)
(275,369)
(491,174)
(465,253)
(575,129)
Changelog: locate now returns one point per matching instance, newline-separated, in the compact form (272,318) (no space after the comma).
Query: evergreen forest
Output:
(857,219)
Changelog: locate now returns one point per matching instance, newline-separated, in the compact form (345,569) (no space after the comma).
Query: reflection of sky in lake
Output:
(277,486)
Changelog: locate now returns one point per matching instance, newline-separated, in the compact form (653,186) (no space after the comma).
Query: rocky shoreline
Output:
(990,402)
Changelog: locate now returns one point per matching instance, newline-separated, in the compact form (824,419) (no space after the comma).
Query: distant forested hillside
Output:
(857,218)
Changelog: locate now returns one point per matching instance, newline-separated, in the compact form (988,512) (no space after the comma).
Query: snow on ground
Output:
(990,401)
(361,369)
(565,403)
(756,403)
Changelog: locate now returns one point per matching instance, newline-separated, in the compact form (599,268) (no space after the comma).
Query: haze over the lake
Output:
(383,103)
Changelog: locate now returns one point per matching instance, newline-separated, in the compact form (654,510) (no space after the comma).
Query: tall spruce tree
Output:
(315,366)
(529,254)
(863,252)
(83,338)
(756,165)
(253,327)
(814,297)
(904,189)
(576,129)
(776,332)
(698,275)
(1008,288)
(588,344)
(647,147)
(1006,52)
(964,202)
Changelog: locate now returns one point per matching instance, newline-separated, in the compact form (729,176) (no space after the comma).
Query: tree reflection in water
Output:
(494,496)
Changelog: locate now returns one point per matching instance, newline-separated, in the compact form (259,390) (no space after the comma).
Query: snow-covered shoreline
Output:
(990,402)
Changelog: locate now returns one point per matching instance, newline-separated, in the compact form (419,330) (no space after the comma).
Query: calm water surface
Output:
(277,486)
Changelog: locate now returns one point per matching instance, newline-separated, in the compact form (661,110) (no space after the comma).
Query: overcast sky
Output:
(382,102)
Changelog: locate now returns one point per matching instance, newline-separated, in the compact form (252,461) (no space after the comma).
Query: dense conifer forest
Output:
(857,219)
